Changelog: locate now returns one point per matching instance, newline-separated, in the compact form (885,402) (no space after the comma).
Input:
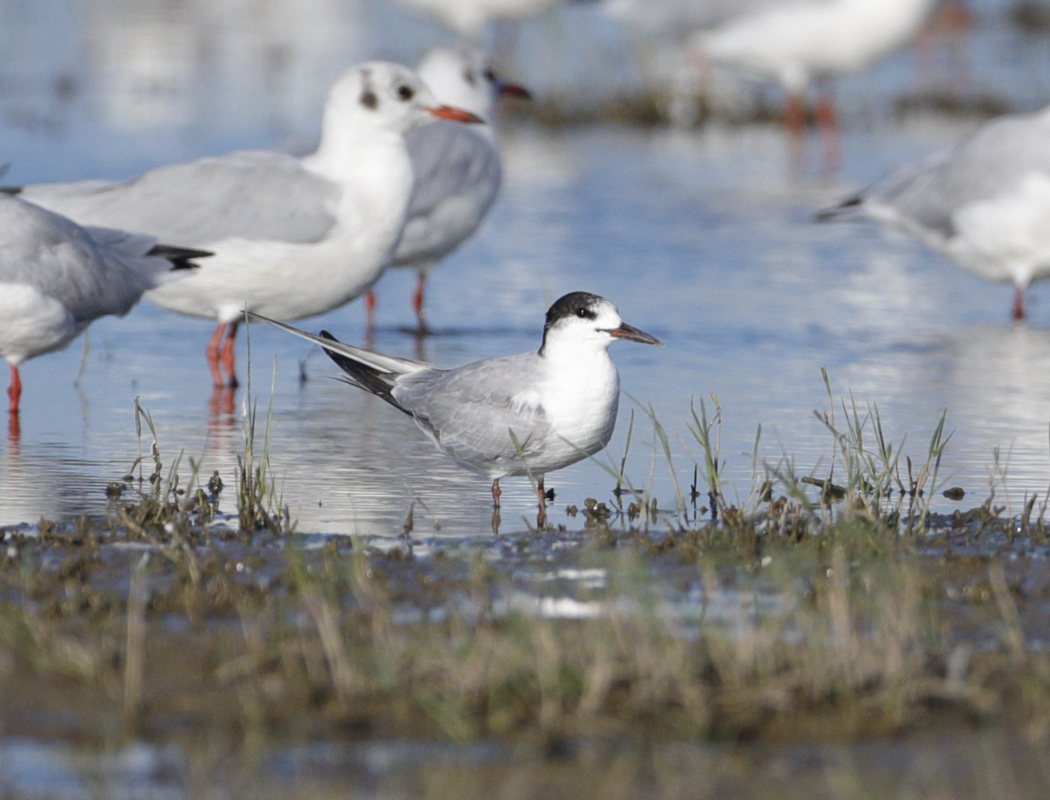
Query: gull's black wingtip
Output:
(837,210)
(180,257)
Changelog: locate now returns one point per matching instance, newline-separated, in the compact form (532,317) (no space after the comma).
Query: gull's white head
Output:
(583,320)
(384,96)
(461,77)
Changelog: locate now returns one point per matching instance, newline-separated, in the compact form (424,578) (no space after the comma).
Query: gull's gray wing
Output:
(992,160)
(250,194)
(91,272)
(471,410)
(457,175)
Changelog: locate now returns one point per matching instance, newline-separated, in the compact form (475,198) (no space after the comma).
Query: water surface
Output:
(703,238)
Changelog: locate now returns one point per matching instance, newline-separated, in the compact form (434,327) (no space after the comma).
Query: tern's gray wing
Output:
(91,272)
(992,160)
(250,194)
(470,411)
(457,174)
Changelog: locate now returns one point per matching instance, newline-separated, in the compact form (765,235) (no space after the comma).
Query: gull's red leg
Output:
(14,391)
(212,352)
(228,352)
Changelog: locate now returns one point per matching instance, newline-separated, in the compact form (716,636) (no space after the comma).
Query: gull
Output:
(985,203)
(456,167)
(796,43)
(56,278)
(292,237)
(527,414)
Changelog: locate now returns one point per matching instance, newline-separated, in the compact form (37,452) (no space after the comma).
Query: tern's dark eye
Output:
(405,92)
(490,76)
(584,313)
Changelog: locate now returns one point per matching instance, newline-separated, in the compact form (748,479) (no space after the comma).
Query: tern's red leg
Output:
(370,311)
(1018,309)
(417,301)
(496,493)
(212,352)
(14,391)
(228,352)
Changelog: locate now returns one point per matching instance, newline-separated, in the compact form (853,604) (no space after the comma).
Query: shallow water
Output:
(703,238)
(988,764)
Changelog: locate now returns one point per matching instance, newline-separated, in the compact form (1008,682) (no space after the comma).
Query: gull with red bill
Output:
(292,237)
(527,414)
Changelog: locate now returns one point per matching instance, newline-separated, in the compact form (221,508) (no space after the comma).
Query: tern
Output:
(456,167)
(292,237)
(985,203)
(57,277)
(527,414)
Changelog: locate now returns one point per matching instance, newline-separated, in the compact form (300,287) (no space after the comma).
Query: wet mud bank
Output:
(806,640)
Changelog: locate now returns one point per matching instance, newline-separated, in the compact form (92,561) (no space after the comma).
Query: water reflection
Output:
(750,297)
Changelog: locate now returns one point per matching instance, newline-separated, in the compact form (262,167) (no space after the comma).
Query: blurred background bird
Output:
(292,237)
(456,168)
(56,278)
(799,43)
(985,202)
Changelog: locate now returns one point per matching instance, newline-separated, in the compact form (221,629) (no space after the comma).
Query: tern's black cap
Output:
(574,304)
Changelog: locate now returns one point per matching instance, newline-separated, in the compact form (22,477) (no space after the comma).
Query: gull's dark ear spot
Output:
(369,99)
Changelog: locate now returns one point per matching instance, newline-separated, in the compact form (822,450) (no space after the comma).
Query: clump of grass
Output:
(258,502)
(873,472)
(160,502)
(163,508)
(700,427)
(864,478)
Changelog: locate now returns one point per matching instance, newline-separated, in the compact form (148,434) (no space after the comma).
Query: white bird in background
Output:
(985,202)
(56,278)
(469,18)
(292,237)
(675,19)
(456,168)
(528,414)
(796,43)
